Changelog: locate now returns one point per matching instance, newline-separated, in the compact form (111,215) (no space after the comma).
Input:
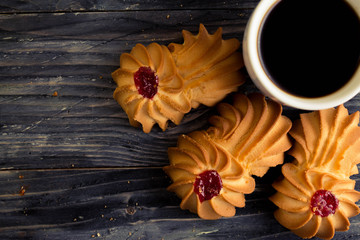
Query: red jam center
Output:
(208,185)
(146,82)
(323,203)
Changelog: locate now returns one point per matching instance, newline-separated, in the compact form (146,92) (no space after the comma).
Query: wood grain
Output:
(93,5)
(71,166)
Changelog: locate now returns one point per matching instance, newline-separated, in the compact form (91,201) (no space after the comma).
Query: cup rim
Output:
(268,87)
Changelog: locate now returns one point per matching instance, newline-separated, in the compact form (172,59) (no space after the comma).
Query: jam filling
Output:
(323,203)
(146,82)
(207,185)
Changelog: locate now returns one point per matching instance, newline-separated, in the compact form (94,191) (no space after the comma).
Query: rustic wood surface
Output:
(71,166)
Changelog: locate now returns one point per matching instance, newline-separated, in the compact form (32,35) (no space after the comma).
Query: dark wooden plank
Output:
(124,203)
(7,6)
(131,27)
(60,141)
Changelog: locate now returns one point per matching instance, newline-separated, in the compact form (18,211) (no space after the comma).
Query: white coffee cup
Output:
(268,87)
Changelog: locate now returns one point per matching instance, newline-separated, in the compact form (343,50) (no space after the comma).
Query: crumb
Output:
(111,219)
(128,181)
(102,215)
(21,176)
(22,191)
(101,77)
(72,165)
(93,235)
(55,94)
(130,233)
(168,16)
(98,234)
(105,206)
(130,210)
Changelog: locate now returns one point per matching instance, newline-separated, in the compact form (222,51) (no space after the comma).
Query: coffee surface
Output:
(310,48)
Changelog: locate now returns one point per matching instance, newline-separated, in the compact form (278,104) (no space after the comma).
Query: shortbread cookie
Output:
(209,66)
(212,170)
(149,88)
(316,195)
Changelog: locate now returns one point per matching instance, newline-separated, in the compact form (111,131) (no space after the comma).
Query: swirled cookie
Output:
(209,66)
(316,195)
(212,170)
(155,84)
(149,88)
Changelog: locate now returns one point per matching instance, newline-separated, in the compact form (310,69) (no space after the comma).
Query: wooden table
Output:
(71,165)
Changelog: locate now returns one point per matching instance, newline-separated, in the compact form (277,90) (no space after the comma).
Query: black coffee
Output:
(310,48)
